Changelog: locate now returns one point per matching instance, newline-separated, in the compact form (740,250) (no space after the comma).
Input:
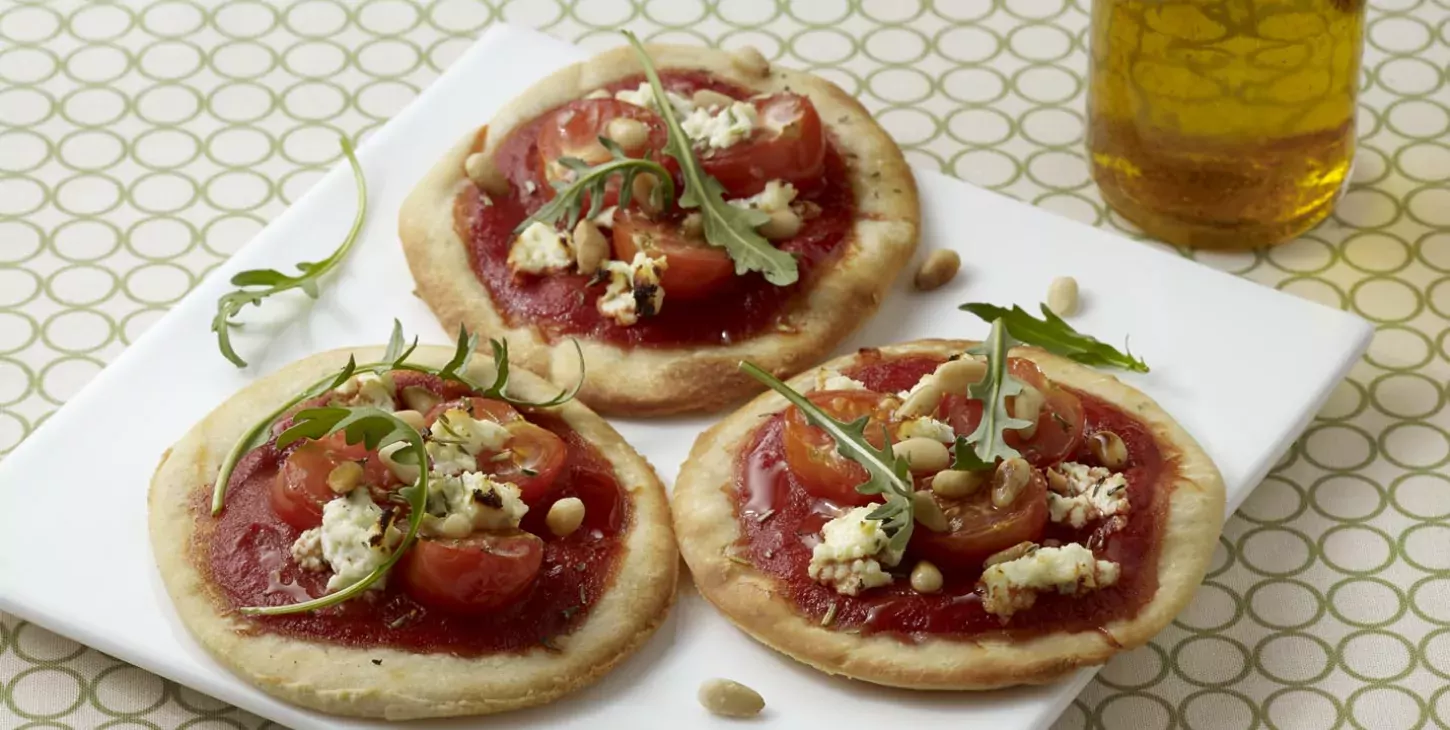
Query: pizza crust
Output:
(653,380)
(390,683)
(706,522)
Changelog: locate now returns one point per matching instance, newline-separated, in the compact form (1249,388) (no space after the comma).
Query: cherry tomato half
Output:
(695,269)
(574,129)
(473,574)
(978,529)
(811,453)
(1059,424)
(790,146)
(535,456)
(300,488)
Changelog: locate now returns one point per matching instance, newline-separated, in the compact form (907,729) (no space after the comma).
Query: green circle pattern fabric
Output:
(142,143)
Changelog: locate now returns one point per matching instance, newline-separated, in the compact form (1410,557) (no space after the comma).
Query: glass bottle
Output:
(1223,124)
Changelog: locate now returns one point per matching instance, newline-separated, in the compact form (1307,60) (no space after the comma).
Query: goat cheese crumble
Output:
(1086,494)
(540,249)
(1070,570)
(851,552)
(634,289)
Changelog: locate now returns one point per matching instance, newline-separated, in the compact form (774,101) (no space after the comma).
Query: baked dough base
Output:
(706,523)
(661,380)
(404,685)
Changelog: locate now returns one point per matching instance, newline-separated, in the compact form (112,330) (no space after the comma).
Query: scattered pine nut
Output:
(926,578)
(729,698)
(565,516)
(940,267)
(1062,296)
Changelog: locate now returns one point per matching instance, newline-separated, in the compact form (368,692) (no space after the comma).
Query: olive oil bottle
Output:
(1224,124)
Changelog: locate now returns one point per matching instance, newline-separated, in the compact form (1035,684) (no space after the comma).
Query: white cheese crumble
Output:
(776,195)
(367,389)
(851,552)
(352,539)
(457,437)
(645,96)
(724,128)
(307,550)
(634,289)
(1087,494)
(483,502)
(1070,570)
(832,380)
(540,249)
(926,427)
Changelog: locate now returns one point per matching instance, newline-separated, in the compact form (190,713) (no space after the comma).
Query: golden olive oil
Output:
(1224,123)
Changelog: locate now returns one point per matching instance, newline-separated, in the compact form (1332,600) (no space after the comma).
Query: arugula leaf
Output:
(374,429)
(395,358)
(568,201)
(993,391)
(887,474)
(1051,333)
(964,457)
(276,282)
(726,226)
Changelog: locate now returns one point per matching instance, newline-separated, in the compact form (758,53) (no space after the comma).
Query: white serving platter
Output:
(1242,367)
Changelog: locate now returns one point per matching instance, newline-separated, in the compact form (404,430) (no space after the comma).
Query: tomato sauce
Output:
(780,523)
(246,551)
(562,305)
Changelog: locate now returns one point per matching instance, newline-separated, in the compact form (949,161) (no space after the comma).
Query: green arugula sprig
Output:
(887,474)
(568,202)
(394,358)
(1056,336)
(272,281)
(726,226)
(374,429)
(983,447)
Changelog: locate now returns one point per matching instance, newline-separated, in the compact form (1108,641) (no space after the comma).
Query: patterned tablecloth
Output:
(143,143)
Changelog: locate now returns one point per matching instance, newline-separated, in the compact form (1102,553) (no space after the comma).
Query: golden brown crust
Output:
(654,381)
(390,683)
(706,523)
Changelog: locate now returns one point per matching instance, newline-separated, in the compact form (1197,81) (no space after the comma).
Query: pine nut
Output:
(1108,449)
(419,399)
(643,193)
(922,402)
(953,484)
(599,94)
(481,170)
(344,477)
(1020,550)
(565,516)
(728,698)
(693,226)
(925,578)
(410,417)
(940,267)
(923,454)
(1056,480)
(455,525)
(955,375)
(408,473)
(1062,296)
(627,133)
(928,512)
(591,249)
(750,60)
(783,224)
(710,99)
(1027,406)
(1009,480)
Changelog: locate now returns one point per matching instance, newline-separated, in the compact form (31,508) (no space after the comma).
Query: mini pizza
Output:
(397,540)
(989,521)
(760,213)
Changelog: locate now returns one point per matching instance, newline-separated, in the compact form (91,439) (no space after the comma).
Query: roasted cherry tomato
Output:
(534,458)
(790,146)
(473,574)
(977,529)
(695,269)
(482,409)
(1059,424)
(300,488)
(574,129)
(811,453)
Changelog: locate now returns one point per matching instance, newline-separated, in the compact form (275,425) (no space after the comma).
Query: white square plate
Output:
(1241,366)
